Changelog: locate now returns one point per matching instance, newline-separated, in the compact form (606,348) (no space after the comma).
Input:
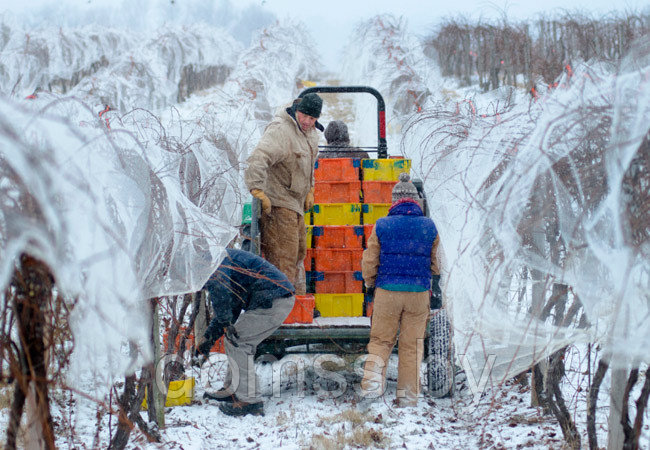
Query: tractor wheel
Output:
(440,367)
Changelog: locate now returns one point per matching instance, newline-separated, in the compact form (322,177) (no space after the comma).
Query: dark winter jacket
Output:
(243,281)
(338,143)
(401,251)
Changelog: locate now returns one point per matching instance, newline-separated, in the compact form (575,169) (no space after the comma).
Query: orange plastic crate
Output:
(218,346)
(338,236)
(337,282)
(337,259)
(368,303)
(303,310)
(367,231)
(337,169)
(377,191)
(188,343)
(308,259)
(337,192)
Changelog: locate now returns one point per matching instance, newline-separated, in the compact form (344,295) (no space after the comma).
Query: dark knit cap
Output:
(337,132)
(404,188)
(311,104)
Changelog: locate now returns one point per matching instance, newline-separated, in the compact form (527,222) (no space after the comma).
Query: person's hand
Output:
(309,200)
(261,196)
(203,349)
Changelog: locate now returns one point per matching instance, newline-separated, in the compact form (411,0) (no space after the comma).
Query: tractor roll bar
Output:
(382,147)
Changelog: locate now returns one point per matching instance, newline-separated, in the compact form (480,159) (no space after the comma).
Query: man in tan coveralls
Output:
(280,174)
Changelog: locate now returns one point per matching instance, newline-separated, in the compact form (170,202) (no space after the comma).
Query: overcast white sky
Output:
(329,21)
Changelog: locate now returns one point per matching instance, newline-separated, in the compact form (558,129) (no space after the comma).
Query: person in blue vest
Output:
(398,263)
(244,282)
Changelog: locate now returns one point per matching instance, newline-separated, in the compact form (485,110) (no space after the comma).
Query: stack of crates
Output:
(350,195)
(337,239)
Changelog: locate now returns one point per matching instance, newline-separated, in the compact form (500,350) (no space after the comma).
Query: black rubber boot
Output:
(222,395)
(238,408)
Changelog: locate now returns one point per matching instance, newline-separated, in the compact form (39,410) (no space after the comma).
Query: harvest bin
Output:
(337,214)
(377,191)
(338,236)
(337,191)
(339,305)
(336,282)
(337,169)
(374,211)
(216,348)
(337,259)
(368,303)
(384,169)
(303,310)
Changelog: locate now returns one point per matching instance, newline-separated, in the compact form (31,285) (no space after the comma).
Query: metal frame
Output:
(382,147)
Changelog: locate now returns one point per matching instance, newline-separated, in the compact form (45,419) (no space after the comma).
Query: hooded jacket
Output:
(282,164)
(401,251)
(243,281)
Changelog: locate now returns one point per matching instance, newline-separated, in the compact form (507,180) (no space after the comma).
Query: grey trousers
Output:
(253,326)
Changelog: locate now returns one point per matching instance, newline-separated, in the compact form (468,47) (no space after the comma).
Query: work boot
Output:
(238,408)
(222,395)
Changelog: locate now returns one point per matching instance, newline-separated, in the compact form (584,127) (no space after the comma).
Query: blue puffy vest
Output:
(405,238)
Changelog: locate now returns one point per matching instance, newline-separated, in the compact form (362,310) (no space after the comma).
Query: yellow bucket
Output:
(179,393)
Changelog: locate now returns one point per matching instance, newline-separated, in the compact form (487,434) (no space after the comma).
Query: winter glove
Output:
(261,196)
(214,331)
(203,349)
(309,200)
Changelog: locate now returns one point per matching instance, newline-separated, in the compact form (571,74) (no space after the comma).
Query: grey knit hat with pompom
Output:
(404,188)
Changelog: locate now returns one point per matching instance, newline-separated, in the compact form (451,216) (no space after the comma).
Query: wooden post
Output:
(202,318)
(159,393)
(33,289)
(615,435)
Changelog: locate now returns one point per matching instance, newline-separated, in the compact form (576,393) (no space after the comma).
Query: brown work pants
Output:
(283,242)
(393,311)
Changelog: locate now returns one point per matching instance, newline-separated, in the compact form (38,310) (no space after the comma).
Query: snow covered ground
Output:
(296,416)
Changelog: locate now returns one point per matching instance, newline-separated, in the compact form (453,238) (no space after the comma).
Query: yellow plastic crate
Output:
(384,169)
(180,393)
(374,211)
(339,305)
(337,214)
